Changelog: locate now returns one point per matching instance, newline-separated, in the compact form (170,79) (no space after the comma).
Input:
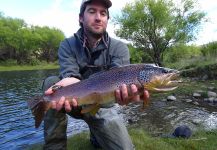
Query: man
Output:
(90,50)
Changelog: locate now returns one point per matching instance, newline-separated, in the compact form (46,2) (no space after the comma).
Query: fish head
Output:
(158,79)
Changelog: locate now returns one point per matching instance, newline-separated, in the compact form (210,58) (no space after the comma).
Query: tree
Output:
(27,44)
(137,55)
(49,41)
(155,25)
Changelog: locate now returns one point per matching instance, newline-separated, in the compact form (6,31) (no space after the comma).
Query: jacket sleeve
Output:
(67,61)
(119,53)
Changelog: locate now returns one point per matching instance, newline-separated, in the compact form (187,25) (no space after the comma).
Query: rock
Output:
(211,88)
(171,108)
(188,100)
(211,99)
(199,91)
(171,98)
(206,100)
(196,95)
(164,100)
(205,77)
(195,103)
(215,100)
(196,121)
(211,94)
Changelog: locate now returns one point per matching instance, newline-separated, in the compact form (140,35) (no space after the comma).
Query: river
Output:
(17,129)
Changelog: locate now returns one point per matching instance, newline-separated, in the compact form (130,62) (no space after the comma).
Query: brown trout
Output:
(99,88)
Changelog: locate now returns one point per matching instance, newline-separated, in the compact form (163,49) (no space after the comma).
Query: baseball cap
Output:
(107,3)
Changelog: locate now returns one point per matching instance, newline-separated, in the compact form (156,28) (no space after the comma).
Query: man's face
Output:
(95,19)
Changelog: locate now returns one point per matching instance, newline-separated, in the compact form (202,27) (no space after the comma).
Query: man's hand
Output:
(122,95)
(58,105)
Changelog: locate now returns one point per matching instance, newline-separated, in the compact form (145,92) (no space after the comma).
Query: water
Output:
(17,129)
(163,117)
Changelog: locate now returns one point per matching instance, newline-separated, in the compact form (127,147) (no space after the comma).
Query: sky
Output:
(63,14)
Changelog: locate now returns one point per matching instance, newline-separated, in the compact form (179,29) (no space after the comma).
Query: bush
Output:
(9,62)
(181,52)
(138,55)
(209,49)
(33,62)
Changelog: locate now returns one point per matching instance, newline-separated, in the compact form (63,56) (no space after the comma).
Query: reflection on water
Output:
(17,129)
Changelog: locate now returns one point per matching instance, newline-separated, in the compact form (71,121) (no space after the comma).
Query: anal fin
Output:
(92,109)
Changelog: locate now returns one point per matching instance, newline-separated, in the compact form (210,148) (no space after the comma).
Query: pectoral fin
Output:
(92,109)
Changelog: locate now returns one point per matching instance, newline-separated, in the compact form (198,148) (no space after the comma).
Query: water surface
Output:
(17,129)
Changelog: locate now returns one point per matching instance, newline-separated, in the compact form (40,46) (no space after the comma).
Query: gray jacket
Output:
(77,60)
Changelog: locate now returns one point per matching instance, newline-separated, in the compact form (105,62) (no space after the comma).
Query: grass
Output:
(200,140)
(28,67)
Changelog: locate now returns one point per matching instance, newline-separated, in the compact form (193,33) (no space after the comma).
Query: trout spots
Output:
(144,76)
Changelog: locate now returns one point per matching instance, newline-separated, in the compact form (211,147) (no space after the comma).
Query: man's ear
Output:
(81,19)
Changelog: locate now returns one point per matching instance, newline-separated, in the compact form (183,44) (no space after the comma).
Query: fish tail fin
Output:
(38,107)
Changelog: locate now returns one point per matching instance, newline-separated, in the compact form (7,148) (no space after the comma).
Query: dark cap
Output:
(107,3)
(182,131)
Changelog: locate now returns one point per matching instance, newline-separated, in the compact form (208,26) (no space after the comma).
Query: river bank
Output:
(143,140)
(28,67)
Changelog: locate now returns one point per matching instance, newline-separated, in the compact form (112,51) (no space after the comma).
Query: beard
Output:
(94,32)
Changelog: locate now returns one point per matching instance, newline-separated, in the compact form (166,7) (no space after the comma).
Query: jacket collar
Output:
(103,43)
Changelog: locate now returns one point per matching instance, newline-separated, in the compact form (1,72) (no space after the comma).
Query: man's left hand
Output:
(122,95)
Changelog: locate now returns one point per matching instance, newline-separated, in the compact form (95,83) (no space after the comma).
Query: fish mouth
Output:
(163,83)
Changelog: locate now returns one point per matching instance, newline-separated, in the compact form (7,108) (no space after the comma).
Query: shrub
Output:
(209,49)
(180,52)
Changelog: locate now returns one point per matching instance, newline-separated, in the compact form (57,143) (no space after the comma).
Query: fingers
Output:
(60,103)
(118,97)
(48,91)
(146,98)
(52,89)
(146,94)
(134,91)
(64,103)
(68,107)
(123,96)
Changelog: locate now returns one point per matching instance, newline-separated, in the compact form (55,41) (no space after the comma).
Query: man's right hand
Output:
(58,105)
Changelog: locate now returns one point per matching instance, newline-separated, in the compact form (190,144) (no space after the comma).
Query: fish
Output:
(100,88)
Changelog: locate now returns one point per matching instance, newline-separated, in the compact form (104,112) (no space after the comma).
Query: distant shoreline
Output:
(28,67)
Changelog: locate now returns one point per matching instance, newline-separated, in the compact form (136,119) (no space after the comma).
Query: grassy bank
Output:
(28,67)
(200,140)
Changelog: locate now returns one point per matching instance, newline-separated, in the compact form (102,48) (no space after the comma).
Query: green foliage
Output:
(9,62)
(155,25)
(180,52)
(138,55)
(209,49)
(188,57)
(27,44)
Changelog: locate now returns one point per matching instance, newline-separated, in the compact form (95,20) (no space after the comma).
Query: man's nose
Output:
(98,16)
